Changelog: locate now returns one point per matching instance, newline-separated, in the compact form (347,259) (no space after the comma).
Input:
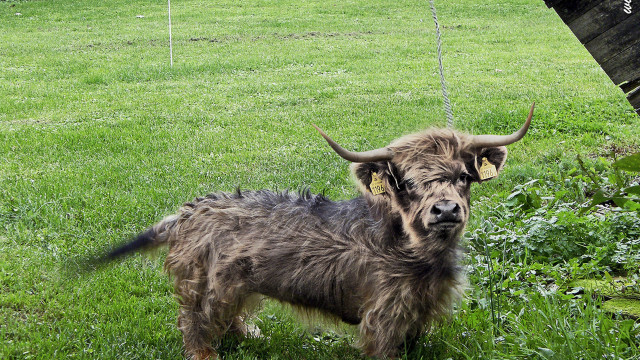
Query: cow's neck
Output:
(418,247)
(429,253)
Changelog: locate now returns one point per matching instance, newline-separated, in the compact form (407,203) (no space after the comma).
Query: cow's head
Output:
(425,178)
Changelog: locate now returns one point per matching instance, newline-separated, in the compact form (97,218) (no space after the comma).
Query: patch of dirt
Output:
(611,150)
(292,36)
(213,40)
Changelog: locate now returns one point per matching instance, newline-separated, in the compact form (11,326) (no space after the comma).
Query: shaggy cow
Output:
(386,261)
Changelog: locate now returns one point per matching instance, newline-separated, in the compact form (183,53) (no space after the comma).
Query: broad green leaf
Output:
(633,190)
(534,200)
(632,205)
(547,353)
(629,163)
(608,276)
(620,201)
(599,197)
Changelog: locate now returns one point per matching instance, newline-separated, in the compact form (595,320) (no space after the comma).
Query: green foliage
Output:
(628,163)
(540,224)
(616,186)
(527,254)
(543,326)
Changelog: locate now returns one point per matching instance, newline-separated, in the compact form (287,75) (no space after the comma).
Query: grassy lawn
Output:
(100,137)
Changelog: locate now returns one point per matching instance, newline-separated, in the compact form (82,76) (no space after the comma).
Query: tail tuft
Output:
(155,236)
(143,240)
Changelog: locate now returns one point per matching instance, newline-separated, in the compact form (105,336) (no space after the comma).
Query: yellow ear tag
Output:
(487,170)
(376,186)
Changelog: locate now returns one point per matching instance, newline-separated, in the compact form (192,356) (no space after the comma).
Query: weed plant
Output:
(531,248)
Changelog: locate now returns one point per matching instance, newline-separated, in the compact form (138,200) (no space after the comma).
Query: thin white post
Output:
(170,40)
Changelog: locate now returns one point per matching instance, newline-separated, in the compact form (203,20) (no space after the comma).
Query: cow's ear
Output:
(486,160)
(377,178)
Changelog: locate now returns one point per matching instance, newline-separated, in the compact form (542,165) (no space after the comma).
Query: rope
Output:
(445,94)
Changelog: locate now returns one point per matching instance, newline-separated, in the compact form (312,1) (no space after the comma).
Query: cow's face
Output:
(425,178)
(427,182)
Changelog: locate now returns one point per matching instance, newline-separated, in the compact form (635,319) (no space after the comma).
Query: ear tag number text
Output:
(376,186)
(487,170)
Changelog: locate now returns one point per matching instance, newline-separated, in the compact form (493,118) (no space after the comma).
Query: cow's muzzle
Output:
(445,213)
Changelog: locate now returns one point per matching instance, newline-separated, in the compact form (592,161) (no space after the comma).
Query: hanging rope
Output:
(445,94)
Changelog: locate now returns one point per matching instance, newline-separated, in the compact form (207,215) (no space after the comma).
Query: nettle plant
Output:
(569,225)
(573,224)
(620,186)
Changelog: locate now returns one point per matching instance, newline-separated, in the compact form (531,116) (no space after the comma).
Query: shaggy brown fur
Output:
(387,263)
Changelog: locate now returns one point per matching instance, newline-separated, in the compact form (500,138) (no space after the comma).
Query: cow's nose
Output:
(446,211)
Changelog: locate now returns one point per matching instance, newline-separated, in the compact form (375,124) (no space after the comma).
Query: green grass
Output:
(100,137)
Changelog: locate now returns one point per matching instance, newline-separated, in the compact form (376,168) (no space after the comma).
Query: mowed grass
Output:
(100,137)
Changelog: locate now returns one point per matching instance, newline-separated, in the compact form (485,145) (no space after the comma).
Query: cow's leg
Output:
(387,330)
(196,334)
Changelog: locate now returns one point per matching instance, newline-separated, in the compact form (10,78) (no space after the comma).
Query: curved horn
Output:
(357,157)
(482,141)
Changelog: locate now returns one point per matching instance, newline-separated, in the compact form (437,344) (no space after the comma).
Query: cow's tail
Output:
(153,237)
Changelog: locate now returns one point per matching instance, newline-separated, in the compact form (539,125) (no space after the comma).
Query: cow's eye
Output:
(464,177)
(409,184)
